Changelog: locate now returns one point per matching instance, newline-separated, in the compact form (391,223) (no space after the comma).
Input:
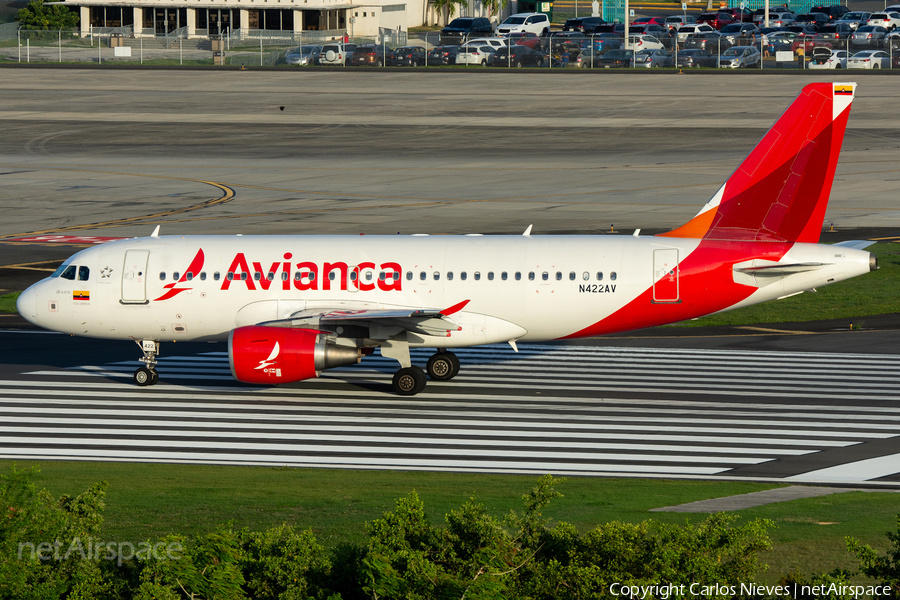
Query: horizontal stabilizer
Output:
(855,244)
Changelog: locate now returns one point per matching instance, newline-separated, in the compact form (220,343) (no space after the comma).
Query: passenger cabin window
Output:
(162,276)
(331,276)
(84,273)
(175,275)
(612,276)
(518,276)
(243,277)
(257,276)
(503,275)
(409,275)
(572,276)
(216,276)
(270,276)
(229,276)
(599,275)
(381,276)
(558,276)
(353,275)
(586,276)
(477,275)
(423,275)
(545,275)
(202,275)
(437,275)
(284,275)
(68,273)
(190,276)
(449,275)
(463,276)
(368,275)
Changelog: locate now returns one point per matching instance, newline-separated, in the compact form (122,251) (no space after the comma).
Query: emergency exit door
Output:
(665,275)
(134,277)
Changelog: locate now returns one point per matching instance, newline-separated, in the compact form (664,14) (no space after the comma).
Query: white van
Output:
(536,23)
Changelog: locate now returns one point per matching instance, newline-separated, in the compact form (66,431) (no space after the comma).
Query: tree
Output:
(447,8)
(38,16)
(885,568)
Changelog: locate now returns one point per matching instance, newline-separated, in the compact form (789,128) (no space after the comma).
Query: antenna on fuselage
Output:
(528,231)
(155,232)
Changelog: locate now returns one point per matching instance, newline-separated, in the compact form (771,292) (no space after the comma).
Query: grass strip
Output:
(8,302)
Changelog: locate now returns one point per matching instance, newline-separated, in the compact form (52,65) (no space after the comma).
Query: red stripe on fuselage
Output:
(707,285)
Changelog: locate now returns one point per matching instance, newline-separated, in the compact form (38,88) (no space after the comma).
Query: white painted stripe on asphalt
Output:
(351,461)
(385,442)
(348,426)
(429,398)
(860,470)
(623,387)
(327,449)
(394,416)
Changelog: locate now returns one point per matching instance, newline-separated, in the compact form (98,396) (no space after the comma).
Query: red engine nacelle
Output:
(269,355)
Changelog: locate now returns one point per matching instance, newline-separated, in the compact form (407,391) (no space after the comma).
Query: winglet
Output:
(455,308)
(155,232)
(528,231)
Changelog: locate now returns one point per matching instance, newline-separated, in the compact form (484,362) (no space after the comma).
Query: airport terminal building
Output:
(202,18)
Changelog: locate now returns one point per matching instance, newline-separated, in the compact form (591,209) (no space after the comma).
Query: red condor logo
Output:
(310,276)
(172,289)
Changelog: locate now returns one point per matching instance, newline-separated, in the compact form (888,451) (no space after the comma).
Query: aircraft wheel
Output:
(443,366)
(409,381)
(155,379)
(143,376)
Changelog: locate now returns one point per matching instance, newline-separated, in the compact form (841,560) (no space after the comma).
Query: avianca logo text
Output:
(310,276)
(195,267)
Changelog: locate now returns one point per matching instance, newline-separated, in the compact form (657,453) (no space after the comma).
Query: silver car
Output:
(740,57)
(868,36)
(854,19)
(304,55)
(336,54)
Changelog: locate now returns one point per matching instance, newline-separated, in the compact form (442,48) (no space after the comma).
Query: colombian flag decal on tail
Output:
(81,295)
(841,89)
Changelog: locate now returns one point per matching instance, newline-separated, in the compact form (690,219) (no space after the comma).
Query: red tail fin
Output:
(780,191)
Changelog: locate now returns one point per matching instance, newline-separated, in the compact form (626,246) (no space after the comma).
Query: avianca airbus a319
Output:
(293,306)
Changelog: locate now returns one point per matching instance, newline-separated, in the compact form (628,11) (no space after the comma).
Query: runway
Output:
(810,417)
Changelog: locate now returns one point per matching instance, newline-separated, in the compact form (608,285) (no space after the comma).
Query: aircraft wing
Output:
(426,321)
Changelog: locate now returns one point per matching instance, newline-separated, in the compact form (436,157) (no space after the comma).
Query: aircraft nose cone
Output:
(27,305)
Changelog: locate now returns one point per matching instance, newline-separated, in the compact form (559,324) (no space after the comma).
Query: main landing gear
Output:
(409,381)
(147,375)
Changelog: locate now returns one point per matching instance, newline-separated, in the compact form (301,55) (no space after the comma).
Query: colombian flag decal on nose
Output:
(81,295)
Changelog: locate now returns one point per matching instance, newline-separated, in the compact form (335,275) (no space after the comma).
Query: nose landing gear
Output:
(147,375)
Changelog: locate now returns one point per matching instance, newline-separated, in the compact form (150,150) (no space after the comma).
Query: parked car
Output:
(336,54)
(868,36)
(740,57)
(303,56)
(738,30)
(644,42)
(888,20)
(604,42)
(652,59)
(759,15)
(835,31)
(677,21)
(817,19)
(804,45)
(835,12)
(518,56)
(620,58)
(582,24)
(537,23)
(781,19)
(825,58)
(869,59)
(443,55)
(617,28)
(687,30)
(653,29)
(407,56)
(854,19)
(474,53)
(711,42)
(741,15)
(370,56)
(465,28)
(647,21)
(717,20)
(780,41)
(696,57)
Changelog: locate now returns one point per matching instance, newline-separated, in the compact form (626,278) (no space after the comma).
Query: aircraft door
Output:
(134,277)
(665,275)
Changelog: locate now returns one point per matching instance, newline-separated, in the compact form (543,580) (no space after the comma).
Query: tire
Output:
(519,64)
(155,379)
(545,33)
(483,62)
(443,366)
(378,63)
(409,381)
(876,66)
(143,377)
(540,63)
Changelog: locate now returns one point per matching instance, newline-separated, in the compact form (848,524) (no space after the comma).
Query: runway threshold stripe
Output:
(861,470)
(306,395)
(349,427)
(355,462)
(623,387)
(268,439)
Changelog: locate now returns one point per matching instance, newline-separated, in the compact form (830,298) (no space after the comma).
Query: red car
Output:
(649,20)
(716,19)
(744,15)
(803,45)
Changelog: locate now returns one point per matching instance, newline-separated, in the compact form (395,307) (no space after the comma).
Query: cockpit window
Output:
(84,273)
(68,273)
(59,270)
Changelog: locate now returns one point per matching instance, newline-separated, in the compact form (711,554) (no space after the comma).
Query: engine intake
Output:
(270,355)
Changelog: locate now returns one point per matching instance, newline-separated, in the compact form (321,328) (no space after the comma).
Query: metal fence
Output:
(550,53)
